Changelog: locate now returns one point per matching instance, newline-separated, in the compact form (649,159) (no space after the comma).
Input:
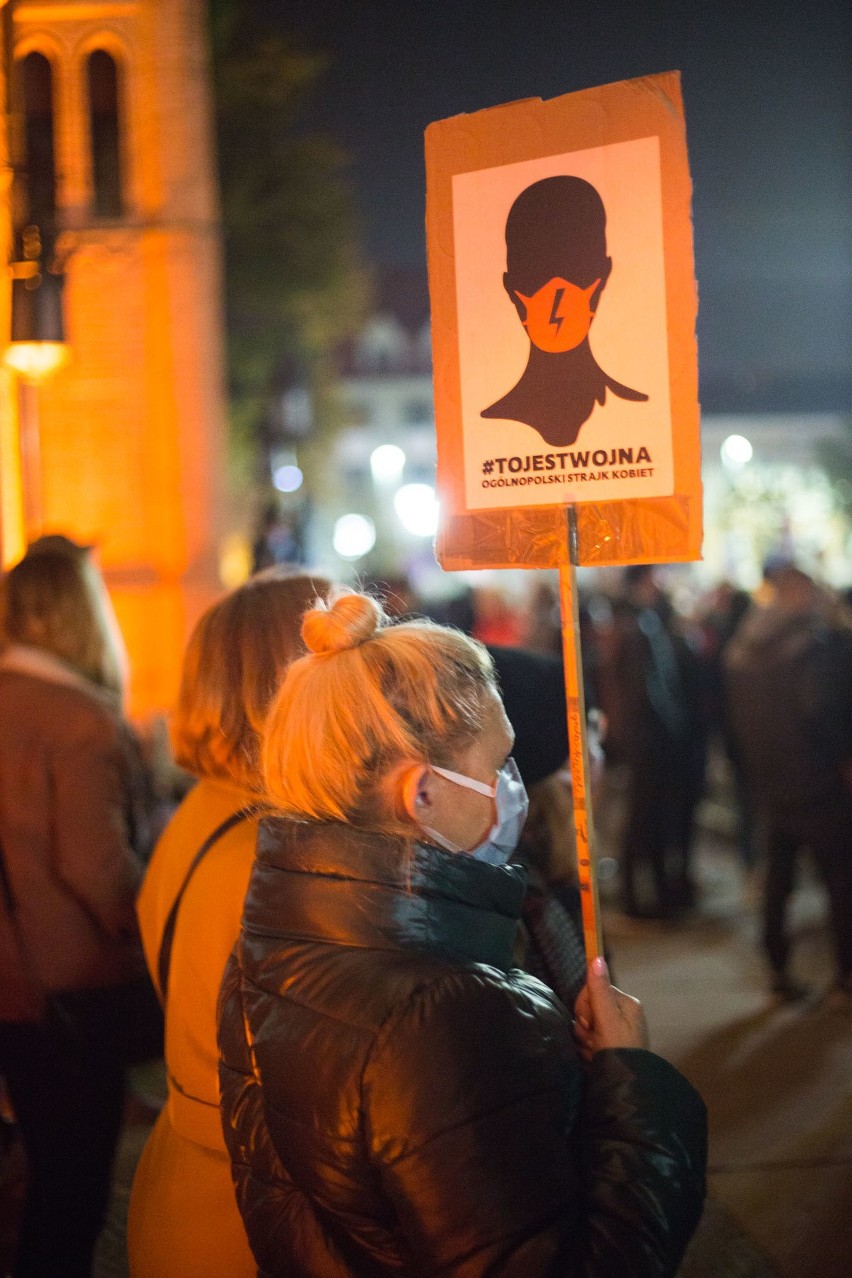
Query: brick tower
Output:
(130,432)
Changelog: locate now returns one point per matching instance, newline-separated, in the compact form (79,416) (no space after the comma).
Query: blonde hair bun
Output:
(349,620)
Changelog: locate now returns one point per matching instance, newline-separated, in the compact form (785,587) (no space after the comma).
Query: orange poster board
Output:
(563,327)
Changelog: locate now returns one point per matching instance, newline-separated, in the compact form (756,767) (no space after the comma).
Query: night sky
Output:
(766,88)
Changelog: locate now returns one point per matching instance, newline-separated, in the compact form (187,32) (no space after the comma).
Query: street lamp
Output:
(36,349)
(37,345)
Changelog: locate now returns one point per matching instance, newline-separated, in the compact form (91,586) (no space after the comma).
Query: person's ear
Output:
(515,299)
(596,296)
(417,792)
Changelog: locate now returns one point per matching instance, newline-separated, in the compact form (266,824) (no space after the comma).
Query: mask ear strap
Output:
(413,805)
(490,791)
(441,840)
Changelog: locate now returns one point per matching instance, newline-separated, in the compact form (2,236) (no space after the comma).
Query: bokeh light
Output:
(354,535)
(387,462)
(287,479)
(736,452)
(417,508)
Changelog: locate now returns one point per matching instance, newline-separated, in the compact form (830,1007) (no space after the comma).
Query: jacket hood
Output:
(329,882)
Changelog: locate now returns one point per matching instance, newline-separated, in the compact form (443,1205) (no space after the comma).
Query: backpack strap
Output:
(164,956)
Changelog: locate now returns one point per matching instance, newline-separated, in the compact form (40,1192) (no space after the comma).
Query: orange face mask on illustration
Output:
(558,315)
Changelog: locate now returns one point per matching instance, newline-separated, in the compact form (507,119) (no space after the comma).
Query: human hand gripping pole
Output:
(605,1016)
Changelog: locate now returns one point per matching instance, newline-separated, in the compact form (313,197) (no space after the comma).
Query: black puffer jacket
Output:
(397,1099)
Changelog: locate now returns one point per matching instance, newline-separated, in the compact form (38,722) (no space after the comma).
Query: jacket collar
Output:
(331,883)
(39,664)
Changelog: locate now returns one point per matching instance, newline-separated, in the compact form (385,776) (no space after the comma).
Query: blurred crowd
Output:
(755,687)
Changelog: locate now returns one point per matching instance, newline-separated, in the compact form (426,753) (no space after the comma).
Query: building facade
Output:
(384,391)
(111,121)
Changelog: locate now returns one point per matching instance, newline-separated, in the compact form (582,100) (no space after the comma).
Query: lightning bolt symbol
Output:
(555,317)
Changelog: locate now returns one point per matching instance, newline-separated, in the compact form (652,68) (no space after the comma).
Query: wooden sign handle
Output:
(578,746)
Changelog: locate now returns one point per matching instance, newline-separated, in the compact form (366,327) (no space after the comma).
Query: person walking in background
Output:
(651,693)
(789,696)
(722,610)
(72,842)
(396,1096)
(183,1215)
(542,623)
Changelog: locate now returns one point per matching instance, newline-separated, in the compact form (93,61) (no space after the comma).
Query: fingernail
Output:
(599,966)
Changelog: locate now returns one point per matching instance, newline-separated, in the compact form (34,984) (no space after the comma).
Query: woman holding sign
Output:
(397,1097)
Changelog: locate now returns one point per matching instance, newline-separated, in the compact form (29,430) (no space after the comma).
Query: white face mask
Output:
(512,803)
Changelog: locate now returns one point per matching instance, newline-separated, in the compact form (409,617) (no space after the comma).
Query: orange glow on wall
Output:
(12,537)
(131,432)
(11,487)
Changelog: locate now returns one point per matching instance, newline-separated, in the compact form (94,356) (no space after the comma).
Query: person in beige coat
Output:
(71,833)
(183,1216)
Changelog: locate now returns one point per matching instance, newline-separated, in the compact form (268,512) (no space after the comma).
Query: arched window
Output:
(102,81)
(37,95)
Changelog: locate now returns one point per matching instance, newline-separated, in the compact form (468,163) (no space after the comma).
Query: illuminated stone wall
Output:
(11,496)
(132,435)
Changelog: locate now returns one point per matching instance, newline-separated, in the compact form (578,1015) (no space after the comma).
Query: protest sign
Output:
(563,305)
(563,329)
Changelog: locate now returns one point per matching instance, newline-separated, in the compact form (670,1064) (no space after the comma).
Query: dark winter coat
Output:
(397,1099)
(788,678)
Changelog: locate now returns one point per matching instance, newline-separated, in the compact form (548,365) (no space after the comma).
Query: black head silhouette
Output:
(556,270)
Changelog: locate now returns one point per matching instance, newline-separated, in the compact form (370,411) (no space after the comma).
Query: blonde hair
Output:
(235,659)
(57,601)
(370,700)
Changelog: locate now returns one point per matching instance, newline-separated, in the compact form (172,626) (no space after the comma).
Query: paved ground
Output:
(776,1081)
